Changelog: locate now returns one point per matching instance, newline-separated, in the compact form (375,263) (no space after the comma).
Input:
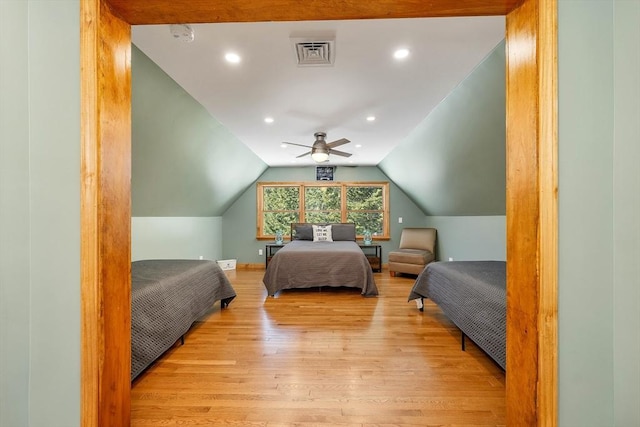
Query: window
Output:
(364,203)
(281,205)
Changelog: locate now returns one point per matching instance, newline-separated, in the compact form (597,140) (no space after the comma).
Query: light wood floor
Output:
(321,358)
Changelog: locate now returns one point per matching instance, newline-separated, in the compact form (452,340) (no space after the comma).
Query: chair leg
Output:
(392,273)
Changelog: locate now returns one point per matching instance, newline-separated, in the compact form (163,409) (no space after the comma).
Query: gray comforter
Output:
(306,264)
(473,295)
(167,296)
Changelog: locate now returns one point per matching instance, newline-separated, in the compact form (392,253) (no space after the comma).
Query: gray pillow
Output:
(343,232)
(302,232)
(340,231)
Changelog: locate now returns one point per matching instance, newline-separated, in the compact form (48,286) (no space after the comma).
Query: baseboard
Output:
(249,266)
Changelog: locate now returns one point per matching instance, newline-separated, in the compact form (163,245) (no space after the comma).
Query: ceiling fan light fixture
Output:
(319,155)
(320,150)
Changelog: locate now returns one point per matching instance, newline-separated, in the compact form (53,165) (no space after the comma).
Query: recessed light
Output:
(401,53)
(231,57)
(283,145)
(358,145)
(268,119)
(371,118)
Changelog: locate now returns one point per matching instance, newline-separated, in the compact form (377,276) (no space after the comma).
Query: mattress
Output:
(473,295)
(167,296)
(306,264)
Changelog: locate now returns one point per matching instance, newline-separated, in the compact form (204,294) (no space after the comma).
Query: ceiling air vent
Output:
(310,53)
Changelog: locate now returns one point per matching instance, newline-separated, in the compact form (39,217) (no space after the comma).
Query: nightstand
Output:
(374,255)
(270,250)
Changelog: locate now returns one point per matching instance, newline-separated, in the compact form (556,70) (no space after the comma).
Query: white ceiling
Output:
(365,79)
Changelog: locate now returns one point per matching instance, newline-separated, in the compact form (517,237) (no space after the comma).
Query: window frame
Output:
(343,185)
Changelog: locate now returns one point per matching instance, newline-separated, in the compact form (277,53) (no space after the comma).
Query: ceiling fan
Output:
(320,149)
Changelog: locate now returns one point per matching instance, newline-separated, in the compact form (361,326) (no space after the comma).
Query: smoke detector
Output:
(314,51)
(182,32)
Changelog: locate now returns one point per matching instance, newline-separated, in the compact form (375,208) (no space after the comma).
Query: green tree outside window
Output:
(364,204)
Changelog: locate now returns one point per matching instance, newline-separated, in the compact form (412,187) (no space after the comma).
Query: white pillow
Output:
(322,233)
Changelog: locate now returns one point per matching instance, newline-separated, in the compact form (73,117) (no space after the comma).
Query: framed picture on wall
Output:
(324,173)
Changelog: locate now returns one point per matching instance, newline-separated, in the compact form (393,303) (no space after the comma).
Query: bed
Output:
(473,295)
(167,296)
(305,263)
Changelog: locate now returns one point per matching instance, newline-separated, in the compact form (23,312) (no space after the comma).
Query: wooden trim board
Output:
(531,182)
(105,216)
(170,11)
(532,214)
(249,266)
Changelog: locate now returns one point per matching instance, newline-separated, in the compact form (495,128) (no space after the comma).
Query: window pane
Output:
(281,198)
(366,221)
(322,198)
(322,217)
(282,205)
(274,221)
(364,198)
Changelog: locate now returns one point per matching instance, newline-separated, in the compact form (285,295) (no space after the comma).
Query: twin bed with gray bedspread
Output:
(303,263)
(167,296)
(473,295)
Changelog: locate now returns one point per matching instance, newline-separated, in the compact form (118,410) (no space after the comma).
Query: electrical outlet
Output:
(399,220)
(259,251)
(450,259)
(201,257)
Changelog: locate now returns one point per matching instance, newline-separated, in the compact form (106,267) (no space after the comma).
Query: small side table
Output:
(374,255)
(270,250)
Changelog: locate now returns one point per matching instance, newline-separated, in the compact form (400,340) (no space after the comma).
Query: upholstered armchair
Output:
(417,249)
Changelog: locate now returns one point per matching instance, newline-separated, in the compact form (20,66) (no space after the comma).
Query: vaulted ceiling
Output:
(364,80)
(200,139)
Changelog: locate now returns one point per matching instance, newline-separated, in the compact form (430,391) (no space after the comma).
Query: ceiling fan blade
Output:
(299,145)
(339,153)
(338,142)
(302,155)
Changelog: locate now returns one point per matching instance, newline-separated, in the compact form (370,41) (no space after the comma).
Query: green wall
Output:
(239,221)
(453,163)
(626,214)
(176,238)
(14,214)
(459,237)
(184,163)
(585,213)
(40,196)
(470,238)
(599,213)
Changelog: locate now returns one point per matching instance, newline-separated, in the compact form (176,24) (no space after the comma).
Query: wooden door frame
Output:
(531,211)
